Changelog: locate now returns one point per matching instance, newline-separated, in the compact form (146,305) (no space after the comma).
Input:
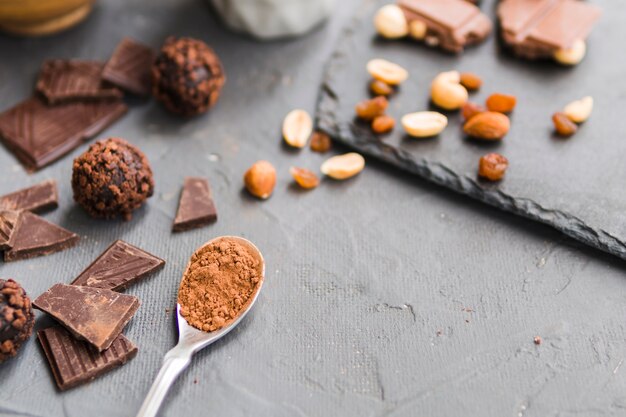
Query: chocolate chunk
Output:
(9,222)
(92,314)
(61,81)
(16,318)
(449,24)
(196,207)
(36,237)
(119,266)
(538,28)
(38,198)
(130,67)
(39,134)
(74,362)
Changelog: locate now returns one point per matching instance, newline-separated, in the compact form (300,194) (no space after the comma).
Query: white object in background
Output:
(267,19)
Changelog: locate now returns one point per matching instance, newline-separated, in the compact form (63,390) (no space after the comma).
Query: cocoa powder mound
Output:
(220,281)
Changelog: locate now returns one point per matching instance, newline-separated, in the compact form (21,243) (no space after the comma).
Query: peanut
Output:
(297,128)
(572,55)
(447,92)
(260,179)
(424,124)
(387,72)
(390,22)
(579,111)
(418,29)
(341,167)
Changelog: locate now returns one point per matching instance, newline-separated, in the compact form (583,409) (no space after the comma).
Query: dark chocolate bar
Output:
(92,314)
(61,81)
(196,207)
(38,198)
(130,67)
(39,134)
(119,266)
(9,222)
(36,237)
(74,362)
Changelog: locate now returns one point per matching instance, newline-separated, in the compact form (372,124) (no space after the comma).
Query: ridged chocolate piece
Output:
(118,267)
(451,24)
(130,67)
(39,134)
(92,314)
(38,198)
(196,207)
(36,237)
(61,81)
(74,362)
(9,222)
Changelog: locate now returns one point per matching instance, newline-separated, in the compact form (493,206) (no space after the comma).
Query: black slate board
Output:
(574,185)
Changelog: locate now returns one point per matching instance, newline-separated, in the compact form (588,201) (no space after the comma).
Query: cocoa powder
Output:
(220,281)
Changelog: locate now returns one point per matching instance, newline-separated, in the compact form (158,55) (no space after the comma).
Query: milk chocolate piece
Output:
(39,134)
(9,222)
(92,314)
(538,28)
(38,198)
(61,81)
(196,207)
(74,362)
(450,24)
(130,67)
(119,266)
(36,237)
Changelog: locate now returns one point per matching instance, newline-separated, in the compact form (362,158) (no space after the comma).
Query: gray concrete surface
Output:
(385,296)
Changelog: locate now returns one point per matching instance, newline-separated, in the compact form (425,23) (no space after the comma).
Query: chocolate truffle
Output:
(16,318)
(187,76)
(112,179)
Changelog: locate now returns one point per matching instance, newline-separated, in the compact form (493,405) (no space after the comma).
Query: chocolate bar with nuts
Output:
(448,24)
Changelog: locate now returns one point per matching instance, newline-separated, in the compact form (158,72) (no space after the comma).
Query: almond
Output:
(488,126)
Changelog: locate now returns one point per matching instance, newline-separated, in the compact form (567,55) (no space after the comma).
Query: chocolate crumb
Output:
(537,340)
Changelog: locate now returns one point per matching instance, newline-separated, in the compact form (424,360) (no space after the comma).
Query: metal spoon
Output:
(191,340)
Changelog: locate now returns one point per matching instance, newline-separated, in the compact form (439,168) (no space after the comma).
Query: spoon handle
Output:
(173,365)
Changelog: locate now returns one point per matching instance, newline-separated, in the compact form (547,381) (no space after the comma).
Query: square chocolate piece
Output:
(130,67)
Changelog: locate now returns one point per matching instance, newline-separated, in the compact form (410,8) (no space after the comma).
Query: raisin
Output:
(563,125)
(304,177)
(471,81)
(492,166)
(383,124)
(320,142)
(380,88)
(501,103)
(369,109)
(470,110)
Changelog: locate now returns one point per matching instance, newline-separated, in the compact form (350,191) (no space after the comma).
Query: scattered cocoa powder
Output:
(219,283)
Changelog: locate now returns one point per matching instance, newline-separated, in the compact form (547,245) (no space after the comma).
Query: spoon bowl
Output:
(191,340)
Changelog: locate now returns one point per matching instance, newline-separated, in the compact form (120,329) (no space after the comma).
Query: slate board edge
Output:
(441,175)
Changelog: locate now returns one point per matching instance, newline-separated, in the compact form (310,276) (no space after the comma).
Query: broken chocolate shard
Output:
(9,222)
(38,198)
(39,134)
(74,362)
(449,24)
(130,67)
(36,237)
(92,314)
(538,28)
(196,207)
(118,267)
(61,81)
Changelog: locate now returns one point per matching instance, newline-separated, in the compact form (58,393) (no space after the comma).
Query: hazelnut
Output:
(260,179)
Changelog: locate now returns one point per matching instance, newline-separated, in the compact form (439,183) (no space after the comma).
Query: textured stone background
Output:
(385,296)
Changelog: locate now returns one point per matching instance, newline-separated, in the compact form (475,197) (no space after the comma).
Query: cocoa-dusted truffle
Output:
(112,179)
(187,76)
(16,318)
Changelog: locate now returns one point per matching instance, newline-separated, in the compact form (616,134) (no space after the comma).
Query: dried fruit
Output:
(579,111)
(344,166)
(447,92)
(372,108)
(563,125)
(390,22)
(488,126)
(492,166)
(320,142)
(470,110)
(297,128)
(418,29)
(260,179)
(304,177)
(379,88)
(383,124)
(501,103)
(386,71)
(471,81)
(424,124)
(572,55)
